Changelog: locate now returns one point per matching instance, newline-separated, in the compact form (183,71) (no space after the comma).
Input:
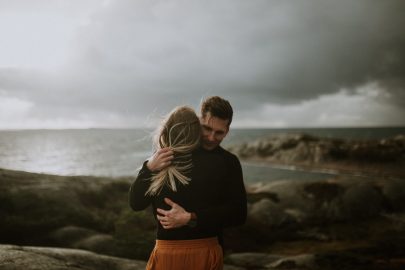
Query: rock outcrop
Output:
(335,200)
(341,223)
(385,156)
(14,257)
(77,212)
(344,222)
(271,261)
(82,238)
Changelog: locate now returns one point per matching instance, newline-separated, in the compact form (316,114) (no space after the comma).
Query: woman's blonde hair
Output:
(180,131)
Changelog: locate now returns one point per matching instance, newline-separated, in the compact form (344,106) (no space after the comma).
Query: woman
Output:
(195,180)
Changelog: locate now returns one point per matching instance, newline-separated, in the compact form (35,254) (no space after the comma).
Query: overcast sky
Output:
(125,63)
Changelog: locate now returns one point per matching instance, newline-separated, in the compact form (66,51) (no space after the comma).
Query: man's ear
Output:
(227,130)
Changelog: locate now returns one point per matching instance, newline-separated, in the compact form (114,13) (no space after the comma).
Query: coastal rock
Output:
(100,243)
(301,204)
(251,260)
(41,258)
(13,257)
(343,214)
(302,261)
(361,201)
(232,267)
(394,192)
(385,156)
(266,213)
(82,238)
(78,211)
(69,235)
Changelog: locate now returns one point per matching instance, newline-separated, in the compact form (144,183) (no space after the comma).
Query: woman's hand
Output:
(160,159)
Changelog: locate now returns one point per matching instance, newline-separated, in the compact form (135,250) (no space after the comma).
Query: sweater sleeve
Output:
(137,199)
(233,209)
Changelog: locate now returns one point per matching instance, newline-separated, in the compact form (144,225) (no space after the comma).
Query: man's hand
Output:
(160,159)
(173,218)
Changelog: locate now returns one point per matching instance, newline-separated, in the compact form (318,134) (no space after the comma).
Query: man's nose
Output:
(211,136)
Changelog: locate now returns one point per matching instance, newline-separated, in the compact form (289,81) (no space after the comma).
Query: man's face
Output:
(214,130)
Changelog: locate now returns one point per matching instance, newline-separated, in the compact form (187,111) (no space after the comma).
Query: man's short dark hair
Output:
(217,107)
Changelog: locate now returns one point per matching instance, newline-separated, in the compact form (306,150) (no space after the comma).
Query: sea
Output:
(121,152)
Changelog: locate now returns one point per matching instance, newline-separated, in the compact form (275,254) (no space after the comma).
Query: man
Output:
(216,117)
(191,218)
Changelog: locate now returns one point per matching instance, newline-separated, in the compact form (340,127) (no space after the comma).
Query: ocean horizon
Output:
(120,152)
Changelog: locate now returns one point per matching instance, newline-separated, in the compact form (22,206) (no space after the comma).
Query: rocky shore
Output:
(17,257)
(384,157)
(82,222)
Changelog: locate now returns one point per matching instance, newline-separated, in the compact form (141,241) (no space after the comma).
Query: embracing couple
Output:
(195,187)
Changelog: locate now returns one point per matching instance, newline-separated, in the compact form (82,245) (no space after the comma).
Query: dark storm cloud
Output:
(133,57)
(289,50)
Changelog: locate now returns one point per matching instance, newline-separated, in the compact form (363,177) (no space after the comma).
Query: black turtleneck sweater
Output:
(216,194)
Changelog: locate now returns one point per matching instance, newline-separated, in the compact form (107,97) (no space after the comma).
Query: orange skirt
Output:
(196,254)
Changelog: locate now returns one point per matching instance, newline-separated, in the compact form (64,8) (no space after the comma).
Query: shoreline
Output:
(333,169)
(302,152)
